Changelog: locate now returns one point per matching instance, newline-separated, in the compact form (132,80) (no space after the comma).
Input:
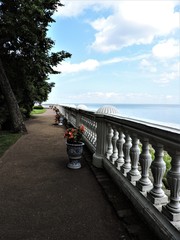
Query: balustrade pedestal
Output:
(144,188)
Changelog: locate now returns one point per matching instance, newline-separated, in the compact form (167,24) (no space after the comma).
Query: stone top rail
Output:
(123,146)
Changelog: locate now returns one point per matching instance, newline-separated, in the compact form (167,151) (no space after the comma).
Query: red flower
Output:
(82,128)
(74,134)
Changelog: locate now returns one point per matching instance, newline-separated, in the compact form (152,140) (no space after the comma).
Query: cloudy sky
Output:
(122,51)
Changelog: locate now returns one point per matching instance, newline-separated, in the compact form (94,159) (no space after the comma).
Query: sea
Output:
(164,114)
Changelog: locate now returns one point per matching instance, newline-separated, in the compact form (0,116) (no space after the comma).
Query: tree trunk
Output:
(13,107)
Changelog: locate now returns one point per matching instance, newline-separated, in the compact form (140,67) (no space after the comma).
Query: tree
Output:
(25,50)
(17,120)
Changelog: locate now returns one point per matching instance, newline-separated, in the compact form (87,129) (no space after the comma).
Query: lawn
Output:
(7,139)
(38,111)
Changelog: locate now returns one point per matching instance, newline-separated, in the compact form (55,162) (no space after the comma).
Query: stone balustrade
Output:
(123,147)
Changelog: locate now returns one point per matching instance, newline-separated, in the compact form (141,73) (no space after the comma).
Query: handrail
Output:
(122,146)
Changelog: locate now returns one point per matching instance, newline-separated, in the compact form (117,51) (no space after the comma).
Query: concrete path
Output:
(41,199)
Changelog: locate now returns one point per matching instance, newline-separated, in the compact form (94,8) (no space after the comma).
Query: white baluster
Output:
(120,142)
(158,167)
(109,141)
(144,184)
(86,127)
(94,132)
(172,209)
(126,167)
(88,130)
(134,175)
(114,155)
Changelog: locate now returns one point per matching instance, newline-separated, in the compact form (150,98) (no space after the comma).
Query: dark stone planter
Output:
(74,151)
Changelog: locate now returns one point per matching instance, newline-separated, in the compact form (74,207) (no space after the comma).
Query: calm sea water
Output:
(164,114)
(167,114)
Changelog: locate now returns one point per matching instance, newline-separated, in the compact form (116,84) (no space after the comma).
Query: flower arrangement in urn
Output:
(74,146)
(74,135)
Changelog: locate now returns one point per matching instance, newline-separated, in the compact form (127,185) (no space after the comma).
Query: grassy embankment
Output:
(7,138)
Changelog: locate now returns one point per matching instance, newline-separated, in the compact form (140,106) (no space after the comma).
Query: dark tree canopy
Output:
(25,51)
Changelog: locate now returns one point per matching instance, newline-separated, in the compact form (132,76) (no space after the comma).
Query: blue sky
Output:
(122,52)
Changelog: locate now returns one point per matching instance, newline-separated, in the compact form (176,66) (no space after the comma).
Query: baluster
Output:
(93,133)
(91,130)
(94,140)
(88,131)
(126,167)
(120,142)
(114,155)
(86,126)
(134,175)
(144,184)
(109,141)
(158,167)
(172,209)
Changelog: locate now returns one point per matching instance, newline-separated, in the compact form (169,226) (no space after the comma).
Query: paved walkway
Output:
(41,199)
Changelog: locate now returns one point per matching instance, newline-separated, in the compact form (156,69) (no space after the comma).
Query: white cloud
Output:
(74,8)
(98,97)
(112,60)
(162,61)
(167,49)
(70,9)
(167,77)
(114,97)
(176,68)
(67,67)
(131,22)
(156,14)
(93,64)
(148,66)
(135,22)
(105,95)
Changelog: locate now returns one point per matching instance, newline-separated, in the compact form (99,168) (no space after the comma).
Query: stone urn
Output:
(74,152)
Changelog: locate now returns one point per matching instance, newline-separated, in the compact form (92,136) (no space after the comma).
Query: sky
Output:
(123,51)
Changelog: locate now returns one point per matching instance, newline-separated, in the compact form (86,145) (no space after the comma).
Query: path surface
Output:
(41,199)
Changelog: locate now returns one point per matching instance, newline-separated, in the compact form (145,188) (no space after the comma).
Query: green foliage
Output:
(38,111)
(38,107)
(25,49)
(167,160)
(151,150)
(6,140)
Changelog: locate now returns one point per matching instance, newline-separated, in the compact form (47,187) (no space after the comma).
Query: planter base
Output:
(75,164)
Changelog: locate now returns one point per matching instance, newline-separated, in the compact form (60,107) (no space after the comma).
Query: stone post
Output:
(102,134)
(101,142)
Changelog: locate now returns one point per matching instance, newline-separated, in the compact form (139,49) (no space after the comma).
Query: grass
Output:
(7,139)
(38,111)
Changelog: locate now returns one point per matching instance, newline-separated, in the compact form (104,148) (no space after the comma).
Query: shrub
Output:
(38,107)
